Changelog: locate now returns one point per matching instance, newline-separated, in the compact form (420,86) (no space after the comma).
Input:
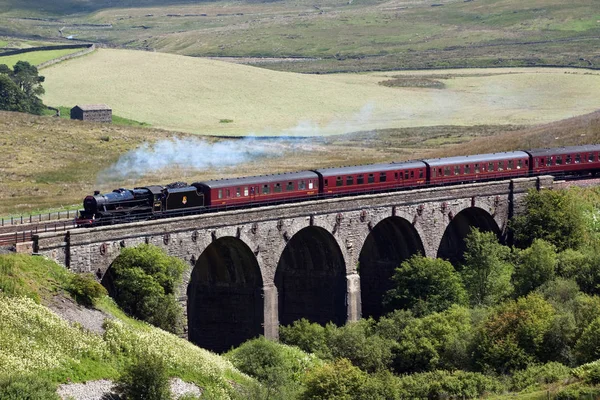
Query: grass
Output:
(36,57)
(400,35)
(35,340)
(192,95)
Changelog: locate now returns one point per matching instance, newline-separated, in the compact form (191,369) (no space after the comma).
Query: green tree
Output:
(535,266)
(425,285)
(486,270)
(552,215)
(20,87)
(144,280)
(144,379)
(339,380)
(513,336)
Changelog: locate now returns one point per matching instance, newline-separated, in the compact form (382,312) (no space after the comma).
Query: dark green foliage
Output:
(279,368)
(439,340)
(444,385)
(588,346)
(339,380)
(535,266)
(593,375)
(512,337)
(145,379)
(20,87)
(425,285)
(535,375)
(584,268)
(145,279)
(30,387)
(486,271)
(552,215)
(308,336)
(85,289)
(577,392)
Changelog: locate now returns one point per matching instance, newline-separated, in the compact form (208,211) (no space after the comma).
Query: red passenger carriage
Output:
(374,177)
(477,167)
(259,189)
(565,160)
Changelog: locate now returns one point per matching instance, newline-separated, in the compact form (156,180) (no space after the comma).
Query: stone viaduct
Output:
(327,260)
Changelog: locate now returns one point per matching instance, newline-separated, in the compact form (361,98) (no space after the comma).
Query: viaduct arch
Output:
(250,270)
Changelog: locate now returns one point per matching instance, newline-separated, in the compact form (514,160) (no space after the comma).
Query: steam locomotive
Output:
(126,205)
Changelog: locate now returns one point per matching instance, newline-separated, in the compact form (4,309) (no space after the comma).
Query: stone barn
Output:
(92,112)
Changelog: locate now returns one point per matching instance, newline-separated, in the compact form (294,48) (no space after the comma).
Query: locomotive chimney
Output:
(96,192)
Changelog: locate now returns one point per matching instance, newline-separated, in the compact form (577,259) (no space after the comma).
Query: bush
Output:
(26,387)
(145,379)
(588,345)
(593,375)
(425,285)
(280,368)
(85,289)
(535,266)
(535,375)
(577,392)
(444,384)
(308,336)
(144,280)
(336,381)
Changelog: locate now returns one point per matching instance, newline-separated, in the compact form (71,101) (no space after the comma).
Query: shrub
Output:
(339,380)
(85,289)
(593,375)
(444,384)
(577,392)
(588,345)
(425,285)
(535,266)
(537,374)
(144,280)
(308,336)
(26,387)
(144,379)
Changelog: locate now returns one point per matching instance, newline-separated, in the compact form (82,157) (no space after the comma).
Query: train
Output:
(151,202)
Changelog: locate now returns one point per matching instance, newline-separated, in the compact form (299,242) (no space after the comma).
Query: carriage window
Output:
(420,174)
(456,170)
(238,192)
(301,185)
(568,159)
(511,164)
(360,179)
(371,178)
(412,174)
(339,181)
(265,189)
(558,160)
(396,175)
(220,193)
(227,193)
(591,157)
(537,162)
(550,161)
(433,172)
(490,167)
(467,169)
(476,168)
(350,180)
(577,158)
(277,188)
(382,177)
(246,191)
(519,164)
(446,171)
(290,186)
(500,165)
(310,184)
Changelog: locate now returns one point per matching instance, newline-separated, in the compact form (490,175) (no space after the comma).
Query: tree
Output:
(486,270)
(535,266)
(20,87)
(552,215)
(425,285)
(144,379)
(144,280)
(336,381)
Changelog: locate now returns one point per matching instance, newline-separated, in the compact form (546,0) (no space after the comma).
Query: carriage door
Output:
(253,190)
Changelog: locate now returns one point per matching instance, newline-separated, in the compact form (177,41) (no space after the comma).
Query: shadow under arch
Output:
(311,279)
(452,245)
(225,304)
(389,243)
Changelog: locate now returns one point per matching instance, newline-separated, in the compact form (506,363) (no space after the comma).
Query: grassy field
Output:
(36,57)
(197,95)
(343,35)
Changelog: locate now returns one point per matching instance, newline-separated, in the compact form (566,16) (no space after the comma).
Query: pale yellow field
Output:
(195,95)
